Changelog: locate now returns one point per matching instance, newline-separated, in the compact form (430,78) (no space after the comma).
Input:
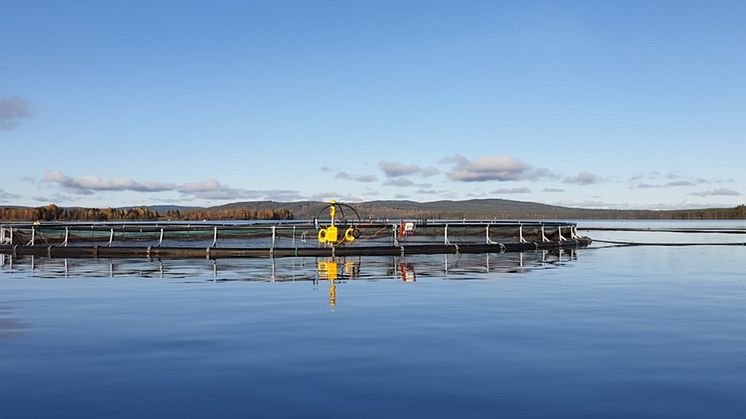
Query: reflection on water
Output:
(407,269)
(334,270)
(623,332)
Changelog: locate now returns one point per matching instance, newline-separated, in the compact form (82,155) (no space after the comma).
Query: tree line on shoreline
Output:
(55,213)
(277,212)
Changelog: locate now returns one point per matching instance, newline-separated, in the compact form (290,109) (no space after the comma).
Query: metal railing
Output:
(285,234)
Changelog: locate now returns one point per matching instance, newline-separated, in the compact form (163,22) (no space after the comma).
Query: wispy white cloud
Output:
(584,178)
(552,190)
(645,175)
(356,178)
(600,204)
(681,205)
(703,181)
(6,196)
(89,184)
(650,180)
(203,186)
(592,204)
(644,185)
(716,192)
(396,169)
(500,168)
(13,109)
(326,196)
(57,198)
(503,191)
(208,189)
(679,183)
(399,182)
(430,171)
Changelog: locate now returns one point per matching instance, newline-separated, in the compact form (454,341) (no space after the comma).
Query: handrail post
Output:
(274,236)
(559,233)
(160,239)
(520,233)
(67,236)
(111,237)
(215,237)
(445,235)
(33,235)
(543,234)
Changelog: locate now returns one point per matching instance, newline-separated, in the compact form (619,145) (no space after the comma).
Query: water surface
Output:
(630,331)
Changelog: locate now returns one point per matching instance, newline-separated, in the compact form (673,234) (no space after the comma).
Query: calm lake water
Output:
(604,331)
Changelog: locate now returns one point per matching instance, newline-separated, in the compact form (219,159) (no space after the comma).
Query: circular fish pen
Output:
(349,237)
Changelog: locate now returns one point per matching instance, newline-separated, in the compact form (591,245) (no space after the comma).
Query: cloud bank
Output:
(396,169)
(500,168)
(208,189)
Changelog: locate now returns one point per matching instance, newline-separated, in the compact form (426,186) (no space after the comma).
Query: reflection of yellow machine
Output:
(328,270)
(332,270)
(333,235)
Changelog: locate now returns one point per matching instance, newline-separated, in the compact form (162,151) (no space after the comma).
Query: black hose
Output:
(339,204)
(666,244)
(668,230)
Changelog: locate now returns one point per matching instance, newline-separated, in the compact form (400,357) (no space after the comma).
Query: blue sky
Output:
(628,104)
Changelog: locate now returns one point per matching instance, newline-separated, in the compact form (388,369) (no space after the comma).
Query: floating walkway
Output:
(277,239)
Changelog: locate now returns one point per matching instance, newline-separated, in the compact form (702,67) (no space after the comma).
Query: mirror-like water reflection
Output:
(407,268)
(335,271)
(623,331)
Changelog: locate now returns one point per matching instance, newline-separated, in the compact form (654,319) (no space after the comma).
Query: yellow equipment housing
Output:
(350,235)
(329,234)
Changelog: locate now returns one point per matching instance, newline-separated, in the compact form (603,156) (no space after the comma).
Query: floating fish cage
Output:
(314,238)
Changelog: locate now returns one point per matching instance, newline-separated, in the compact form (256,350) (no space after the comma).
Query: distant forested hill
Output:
(473,209)
(493,208)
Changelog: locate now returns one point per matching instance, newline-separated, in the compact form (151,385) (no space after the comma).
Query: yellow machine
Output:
(332,235)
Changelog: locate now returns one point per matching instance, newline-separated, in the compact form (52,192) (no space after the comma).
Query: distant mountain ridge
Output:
(485,208)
